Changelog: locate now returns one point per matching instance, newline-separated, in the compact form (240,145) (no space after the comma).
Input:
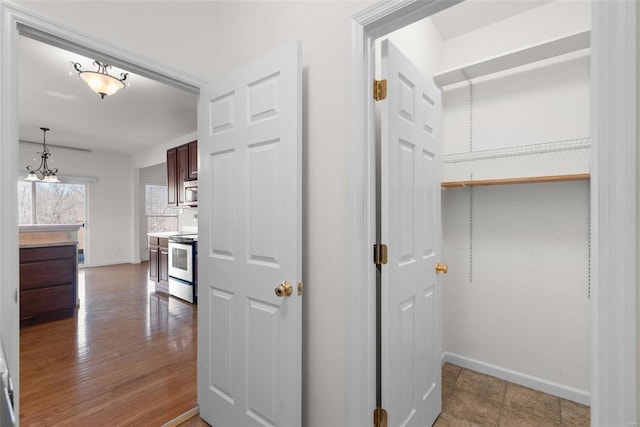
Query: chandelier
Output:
(43,173)
(100,81)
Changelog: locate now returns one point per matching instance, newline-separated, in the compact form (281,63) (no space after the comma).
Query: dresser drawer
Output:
(52,252)
(47,300)
(47,273)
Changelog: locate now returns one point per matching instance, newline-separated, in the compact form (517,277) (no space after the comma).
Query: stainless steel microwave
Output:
(191,193)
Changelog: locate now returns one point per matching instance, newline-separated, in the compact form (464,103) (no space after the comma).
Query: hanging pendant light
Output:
(43,173)
(100,81)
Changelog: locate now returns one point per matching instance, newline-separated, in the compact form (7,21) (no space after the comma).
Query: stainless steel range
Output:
(183,250)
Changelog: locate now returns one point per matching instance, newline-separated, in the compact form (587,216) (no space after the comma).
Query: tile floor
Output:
(473,399)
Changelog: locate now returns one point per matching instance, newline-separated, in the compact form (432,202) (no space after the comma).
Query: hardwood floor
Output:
(127,358)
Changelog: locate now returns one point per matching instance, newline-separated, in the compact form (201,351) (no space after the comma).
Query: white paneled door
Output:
(249,307)
(410,226)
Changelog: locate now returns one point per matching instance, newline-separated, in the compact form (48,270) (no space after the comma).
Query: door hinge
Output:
(379,254)
(300,286)
(379,417)
(379,90)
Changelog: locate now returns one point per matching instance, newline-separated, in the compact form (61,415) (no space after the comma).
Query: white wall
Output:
(421,43)
(525,309)
(208,39)
(108,226)
(638,222)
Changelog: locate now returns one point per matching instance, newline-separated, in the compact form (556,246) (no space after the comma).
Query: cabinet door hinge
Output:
(379,90)
(379,254)
(379,417)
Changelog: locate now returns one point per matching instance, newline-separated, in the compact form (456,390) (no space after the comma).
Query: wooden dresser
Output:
(48,282)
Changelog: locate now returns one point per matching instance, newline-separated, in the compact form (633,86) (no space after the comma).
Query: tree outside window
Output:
(51,203)
(160,217)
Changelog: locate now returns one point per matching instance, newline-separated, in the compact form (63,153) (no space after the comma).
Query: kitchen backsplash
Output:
(188,220)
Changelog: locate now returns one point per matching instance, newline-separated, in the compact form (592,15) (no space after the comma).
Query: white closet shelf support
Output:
(519,150)
(538,52)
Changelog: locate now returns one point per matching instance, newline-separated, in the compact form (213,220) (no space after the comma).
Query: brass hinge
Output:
(379,417)
(379,90)
(300,286)
(379,254)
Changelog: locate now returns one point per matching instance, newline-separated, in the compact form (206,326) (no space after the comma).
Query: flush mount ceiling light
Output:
(43,173)
(100,81)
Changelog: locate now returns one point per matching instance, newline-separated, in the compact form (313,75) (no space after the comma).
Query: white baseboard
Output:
(565,392)
(183,417)
(106,263)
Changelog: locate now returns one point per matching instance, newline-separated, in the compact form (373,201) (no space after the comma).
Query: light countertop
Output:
(165,233)
(47,244)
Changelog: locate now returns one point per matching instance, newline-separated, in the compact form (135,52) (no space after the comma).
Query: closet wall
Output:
(515,301)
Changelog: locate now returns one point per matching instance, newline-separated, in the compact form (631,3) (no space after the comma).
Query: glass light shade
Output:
(51,178)
(31,176)
(102,84)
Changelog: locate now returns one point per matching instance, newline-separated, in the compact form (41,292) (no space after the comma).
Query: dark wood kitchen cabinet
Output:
(159,262)
(182,166)
(192,170)
(172,174)
(163,269)
(154,260)
(48,282)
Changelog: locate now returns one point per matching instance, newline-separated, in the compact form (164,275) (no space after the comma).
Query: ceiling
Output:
(471,15)
(148,113)
(140,116)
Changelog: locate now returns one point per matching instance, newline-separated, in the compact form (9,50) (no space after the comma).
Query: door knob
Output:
(441,268)
(284,289)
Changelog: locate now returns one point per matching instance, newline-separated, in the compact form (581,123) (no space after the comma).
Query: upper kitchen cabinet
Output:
(172,175)
(193,160)
(182,172)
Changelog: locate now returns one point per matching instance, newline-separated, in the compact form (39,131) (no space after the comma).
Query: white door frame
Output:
(613,209)
(16,21)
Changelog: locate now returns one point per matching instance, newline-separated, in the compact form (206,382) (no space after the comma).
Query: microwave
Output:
(191,193)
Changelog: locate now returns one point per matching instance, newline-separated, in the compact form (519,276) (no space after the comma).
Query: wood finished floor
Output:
(128,357)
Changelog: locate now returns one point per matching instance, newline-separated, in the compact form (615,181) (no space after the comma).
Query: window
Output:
(160,217)
(53,203)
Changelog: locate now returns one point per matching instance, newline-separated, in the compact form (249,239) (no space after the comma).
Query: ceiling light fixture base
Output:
(100,81)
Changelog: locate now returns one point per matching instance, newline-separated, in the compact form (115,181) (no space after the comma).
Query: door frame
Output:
(613,208)
(14,22)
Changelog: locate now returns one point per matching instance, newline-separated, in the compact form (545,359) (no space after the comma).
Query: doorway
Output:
(18,24)
(375,22)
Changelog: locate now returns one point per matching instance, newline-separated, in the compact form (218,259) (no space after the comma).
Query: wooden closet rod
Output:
(527,180)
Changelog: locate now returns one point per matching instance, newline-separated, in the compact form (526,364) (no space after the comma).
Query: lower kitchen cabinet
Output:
(48,282)
(159,262)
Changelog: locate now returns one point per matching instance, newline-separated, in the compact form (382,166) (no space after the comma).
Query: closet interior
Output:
(515,193)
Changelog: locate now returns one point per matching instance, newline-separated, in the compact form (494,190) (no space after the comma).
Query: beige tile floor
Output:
(473,399)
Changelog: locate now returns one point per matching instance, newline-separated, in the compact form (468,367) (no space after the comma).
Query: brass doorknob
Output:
(284,289)
(441,268)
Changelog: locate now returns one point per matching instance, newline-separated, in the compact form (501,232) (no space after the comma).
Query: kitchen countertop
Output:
(47,244)
(165,233)
(39,228)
